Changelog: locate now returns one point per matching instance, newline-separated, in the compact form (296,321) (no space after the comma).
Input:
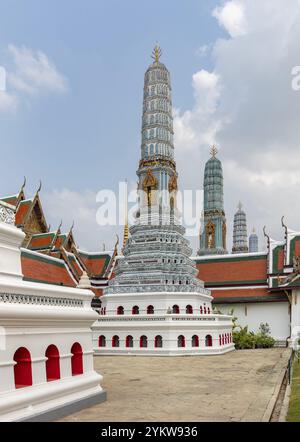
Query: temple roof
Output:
(96,263)
(42,268)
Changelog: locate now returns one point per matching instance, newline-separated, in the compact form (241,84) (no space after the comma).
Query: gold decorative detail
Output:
(213,151)
(296,265)
(173,183)
(160,162)
(224,229)
(149,185)
(210,234)
(149,180)
(156,53)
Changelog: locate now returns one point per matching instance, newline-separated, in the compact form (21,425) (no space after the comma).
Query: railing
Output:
(8,298)
(166,318)
(180,288)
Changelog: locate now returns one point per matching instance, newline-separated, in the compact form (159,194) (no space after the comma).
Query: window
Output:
(102,341)
(195,341)
(143,341)
(201,310)
(208,310)
(52,363)
(181,341)
(22,368)
(189,309)
(158,342)
(220,340)
(208,341)
(129,341)
(204,310)
(115,341)
(175,309)
(120,310)
(135,310)
(76,359)
(150,310)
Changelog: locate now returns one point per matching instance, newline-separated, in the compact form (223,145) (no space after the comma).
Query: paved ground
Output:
(233,387)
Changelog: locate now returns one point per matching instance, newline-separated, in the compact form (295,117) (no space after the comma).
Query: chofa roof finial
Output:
(213,151)
(266,235)
(40,187)
(23,185)
(156,53)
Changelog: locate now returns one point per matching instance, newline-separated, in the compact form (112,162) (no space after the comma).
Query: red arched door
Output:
(120,310)
(102,341)
(129,341)
(52,363)
(135,310)
(158,342)
(175,309)
(208,341)
(22,368)
(195,341)
(76,359)
(189,309)
(150,310)
(143,341)
(115,341)
(181,341)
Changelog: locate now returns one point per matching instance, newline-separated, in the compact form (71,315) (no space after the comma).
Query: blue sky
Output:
(77,125)
(102,48)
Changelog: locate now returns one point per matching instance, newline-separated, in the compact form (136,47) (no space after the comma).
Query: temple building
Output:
(51,255)
(240,242)
(213,229)
(46,352)
(253,242)
(155,304)
(153,279)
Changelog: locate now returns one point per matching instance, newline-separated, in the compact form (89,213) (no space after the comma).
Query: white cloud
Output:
(196,127)
(34,72)
(231,16)
(247,106)
(8,102)
(28,73)
(81,207)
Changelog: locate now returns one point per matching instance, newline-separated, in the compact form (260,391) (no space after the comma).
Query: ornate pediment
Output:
(149,181)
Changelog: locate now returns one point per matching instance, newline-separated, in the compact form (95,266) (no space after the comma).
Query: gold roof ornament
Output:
(156,53)
(213,151)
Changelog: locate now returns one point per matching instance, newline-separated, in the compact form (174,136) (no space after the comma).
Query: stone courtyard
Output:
(237,386)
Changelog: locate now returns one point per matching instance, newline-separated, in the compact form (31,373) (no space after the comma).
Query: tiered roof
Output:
(53,257)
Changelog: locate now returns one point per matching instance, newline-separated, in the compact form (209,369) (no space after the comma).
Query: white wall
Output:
(276,314)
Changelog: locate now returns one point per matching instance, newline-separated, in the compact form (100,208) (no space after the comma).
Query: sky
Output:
(71,111)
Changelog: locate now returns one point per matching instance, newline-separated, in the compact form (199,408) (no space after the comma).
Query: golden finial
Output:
(156,53)
(213,151)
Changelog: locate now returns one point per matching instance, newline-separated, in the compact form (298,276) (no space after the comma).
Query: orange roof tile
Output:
(22,211)
(40,268)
